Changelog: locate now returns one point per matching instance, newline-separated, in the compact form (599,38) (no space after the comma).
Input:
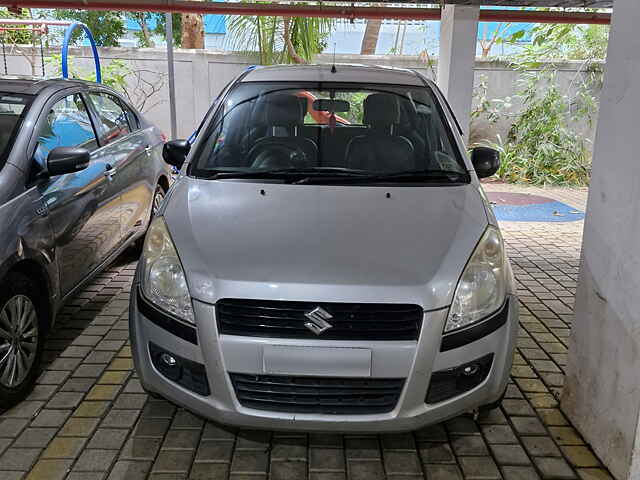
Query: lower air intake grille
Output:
(336,396)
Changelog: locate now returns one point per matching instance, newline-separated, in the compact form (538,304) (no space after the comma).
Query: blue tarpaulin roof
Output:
(212,24)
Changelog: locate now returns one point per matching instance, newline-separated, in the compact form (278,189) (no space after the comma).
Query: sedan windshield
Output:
(330,132)
(12,110)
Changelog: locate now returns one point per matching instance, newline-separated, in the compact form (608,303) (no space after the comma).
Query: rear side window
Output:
(12,110)
(112,118)
(67,124)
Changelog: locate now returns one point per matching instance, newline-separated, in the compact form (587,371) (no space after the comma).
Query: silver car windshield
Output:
(12,110)
(328,129)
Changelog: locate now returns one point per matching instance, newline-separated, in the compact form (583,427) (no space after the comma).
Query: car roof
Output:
(347,73)
(34,85)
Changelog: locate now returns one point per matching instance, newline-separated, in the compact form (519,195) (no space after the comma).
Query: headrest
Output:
(408,112)
(381,110)
(281,110)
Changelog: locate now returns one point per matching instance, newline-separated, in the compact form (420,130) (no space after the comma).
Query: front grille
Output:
(335,396)
(350,321)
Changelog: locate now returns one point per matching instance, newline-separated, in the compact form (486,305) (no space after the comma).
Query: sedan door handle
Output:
(148,149)
(110,172)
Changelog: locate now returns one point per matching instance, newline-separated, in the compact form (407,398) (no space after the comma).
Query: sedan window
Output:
(113,120)
(67,124)
(12,110)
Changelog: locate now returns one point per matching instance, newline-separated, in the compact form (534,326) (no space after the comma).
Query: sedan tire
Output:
(21,338)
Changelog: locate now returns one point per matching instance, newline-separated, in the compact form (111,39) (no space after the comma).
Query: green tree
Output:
(161,24)
(280,39)
(152,23)
(14,40)
(543,145)
(107,27)
(20,37)
(144,35)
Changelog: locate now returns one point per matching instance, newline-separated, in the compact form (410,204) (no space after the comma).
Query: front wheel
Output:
(21,338)
(158,198)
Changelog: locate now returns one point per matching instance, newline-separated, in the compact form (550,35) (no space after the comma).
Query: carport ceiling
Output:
(537,3)
(420,10)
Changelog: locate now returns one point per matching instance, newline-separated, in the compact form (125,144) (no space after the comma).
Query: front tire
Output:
(22,329)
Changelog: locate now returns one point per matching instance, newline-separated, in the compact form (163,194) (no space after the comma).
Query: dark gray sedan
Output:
(81,174)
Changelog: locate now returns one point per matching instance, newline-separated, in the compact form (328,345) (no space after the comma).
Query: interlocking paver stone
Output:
(436,453)
(519,473)
(95,460)
(479,468)
(64,447)
(541,446)
(510,455)
(18,458)
(287,470)
(108,438)
(221,451)
(210,471)
(89,411)
(554,468)
(35,437)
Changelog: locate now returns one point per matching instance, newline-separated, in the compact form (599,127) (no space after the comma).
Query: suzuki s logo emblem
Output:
(318,320)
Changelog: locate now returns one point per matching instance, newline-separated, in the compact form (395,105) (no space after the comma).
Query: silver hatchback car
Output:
(326,260)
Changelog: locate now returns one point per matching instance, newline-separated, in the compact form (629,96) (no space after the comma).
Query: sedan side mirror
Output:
(63,160)
(485,160)
(175,152)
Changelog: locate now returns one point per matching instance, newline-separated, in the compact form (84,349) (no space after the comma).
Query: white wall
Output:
(200,75)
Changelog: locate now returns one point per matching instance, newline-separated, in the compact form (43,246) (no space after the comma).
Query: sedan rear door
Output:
(128,152)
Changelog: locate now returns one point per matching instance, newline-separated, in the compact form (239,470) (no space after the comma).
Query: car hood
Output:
(346,243)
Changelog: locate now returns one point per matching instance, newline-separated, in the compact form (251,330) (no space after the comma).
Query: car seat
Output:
(380,149)
(283,115)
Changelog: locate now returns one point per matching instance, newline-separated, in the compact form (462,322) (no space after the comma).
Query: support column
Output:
(456,61)
(602,387)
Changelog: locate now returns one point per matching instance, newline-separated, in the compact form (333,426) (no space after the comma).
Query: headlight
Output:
(163,279)
(482,288)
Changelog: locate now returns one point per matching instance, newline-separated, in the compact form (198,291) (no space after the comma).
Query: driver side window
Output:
(67,124)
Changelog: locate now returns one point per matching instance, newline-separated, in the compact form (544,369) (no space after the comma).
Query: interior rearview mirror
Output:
(175,152)
(329,105)
(485,160)
(63,160)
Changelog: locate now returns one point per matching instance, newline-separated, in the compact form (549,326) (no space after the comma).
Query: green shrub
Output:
(541,149)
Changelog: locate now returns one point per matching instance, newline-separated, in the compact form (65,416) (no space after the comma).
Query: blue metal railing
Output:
(65,50)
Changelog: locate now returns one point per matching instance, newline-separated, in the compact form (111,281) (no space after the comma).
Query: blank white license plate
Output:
(320,361)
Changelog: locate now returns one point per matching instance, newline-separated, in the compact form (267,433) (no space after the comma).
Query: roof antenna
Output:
(333,67)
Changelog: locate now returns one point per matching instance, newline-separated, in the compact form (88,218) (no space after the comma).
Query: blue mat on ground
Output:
(538,212)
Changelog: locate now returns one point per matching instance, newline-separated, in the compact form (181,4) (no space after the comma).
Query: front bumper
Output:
(413,361)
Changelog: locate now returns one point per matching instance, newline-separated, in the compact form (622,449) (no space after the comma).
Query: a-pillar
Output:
(456,61)
(602,386)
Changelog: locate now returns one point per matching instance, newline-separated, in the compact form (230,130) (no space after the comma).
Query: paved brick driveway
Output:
(89,419)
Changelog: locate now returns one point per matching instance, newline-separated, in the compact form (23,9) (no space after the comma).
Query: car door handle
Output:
(148,149)
(110,172)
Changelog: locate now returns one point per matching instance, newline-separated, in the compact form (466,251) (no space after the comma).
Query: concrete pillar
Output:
(458,40)
(602,387)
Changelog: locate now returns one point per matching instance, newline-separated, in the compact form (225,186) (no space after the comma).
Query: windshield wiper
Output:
(421,175)
(448,176)
(286,173)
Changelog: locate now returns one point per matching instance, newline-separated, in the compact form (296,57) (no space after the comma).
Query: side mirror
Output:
(63,160)
(485,160)
(175,152)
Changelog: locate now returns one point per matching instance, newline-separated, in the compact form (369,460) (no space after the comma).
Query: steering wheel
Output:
(277,155)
